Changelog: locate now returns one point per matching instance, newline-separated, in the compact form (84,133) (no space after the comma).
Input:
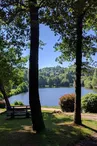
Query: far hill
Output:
(64,77)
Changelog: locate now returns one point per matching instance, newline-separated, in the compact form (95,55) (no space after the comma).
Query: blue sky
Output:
(48,55)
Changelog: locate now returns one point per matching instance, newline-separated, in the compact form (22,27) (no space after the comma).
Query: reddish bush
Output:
(67,102)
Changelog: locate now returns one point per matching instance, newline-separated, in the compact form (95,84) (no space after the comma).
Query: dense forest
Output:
(64,77)
(56,77)
(53,77)
(18,83)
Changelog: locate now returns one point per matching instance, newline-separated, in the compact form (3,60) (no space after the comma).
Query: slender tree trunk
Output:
(4,95)
(37,119)
(77,116)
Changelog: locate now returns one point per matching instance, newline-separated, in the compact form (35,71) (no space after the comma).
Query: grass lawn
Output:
(56,107)
(60,131)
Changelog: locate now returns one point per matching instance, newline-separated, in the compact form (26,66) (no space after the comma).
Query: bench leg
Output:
(12,115)
(27,115)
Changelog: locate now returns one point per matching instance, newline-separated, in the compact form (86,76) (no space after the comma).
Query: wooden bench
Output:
(21,111)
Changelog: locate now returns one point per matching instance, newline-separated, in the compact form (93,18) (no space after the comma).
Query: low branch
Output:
(12,3)
(41,4)
(90,4)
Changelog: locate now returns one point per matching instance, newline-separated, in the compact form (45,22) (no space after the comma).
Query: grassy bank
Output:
(56,107)
(59,131)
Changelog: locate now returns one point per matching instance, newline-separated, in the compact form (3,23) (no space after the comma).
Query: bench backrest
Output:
(20,108)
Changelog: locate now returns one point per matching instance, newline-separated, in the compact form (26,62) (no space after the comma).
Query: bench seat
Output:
(19,111)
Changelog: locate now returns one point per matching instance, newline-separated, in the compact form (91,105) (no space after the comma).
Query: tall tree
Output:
(24,24)
(9,65)
(70,19)
(77,117)
(37,118)
(4,67)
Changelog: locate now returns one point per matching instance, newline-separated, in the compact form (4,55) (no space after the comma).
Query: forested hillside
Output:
(53,77)
(56,77)
(64,77)
(18,84)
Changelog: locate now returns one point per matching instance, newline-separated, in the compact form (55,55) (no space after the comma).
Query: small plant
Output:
(1,96)
(67,102)
(2,104)
(18,103)
(89,103)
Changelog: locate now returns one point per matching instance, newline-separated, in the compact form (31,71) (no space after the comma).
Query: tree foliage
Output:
(24,28)
(94,80)
(11,66)
(69,19)
(89,103)
(63,15)
(56,76)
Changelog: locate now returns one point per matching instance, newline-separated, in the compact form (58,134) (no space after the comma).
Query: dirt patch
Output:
(50,109)
(88,116)
(2,110)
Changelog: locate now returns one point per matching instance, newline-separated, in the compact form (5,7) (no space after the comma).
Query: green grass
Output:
(56,107)
(2,110)
(60,131)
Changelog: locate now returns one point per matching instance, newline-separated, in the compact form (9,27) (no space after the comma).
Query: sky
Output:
(48,55)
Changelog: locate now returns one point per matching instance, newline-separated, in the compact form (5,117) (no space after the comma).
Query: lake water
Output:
(48,96)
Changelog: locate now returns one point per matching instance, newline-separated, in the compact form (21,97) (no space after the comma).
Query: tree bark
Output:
(36,114)
(5,96)
(77,116)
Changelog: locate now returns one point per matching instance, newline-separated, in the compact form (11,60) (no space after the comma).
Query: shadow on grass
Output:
(18,132)
(89,128)
(56,118)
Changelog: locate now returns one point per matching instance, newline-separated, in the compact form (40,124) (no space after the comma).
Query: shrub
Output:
(2,104)
(67,102)
(12,92)
(89,103)
(23,87)
(1,96)
(88,84)
(18,103)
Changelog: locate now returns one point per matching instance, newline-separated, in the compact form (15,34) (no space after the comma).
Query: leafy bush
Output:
(18,103)
(94,79)
(67,102)
(2,104)
(23,87)
(89,103)
(1,96)
(88,84)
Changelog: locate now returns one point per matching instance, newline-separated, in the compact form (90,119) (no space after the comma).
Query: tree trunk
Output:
(4,95)
(77,116)
(37,118)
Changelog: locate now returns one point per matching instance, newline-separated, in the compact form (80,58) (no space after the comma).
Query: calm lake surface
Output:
(48,96)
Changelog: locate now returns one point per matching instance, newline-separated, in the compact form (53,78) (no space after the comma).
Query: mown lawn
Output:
(60,131)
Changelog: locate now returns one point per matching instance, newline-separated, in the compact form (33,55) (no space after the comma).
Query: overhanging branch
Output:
(10,3)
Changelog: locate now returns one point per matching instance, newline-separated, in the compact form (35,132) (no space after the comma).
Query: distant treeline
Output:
(64,77)
(53,77)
